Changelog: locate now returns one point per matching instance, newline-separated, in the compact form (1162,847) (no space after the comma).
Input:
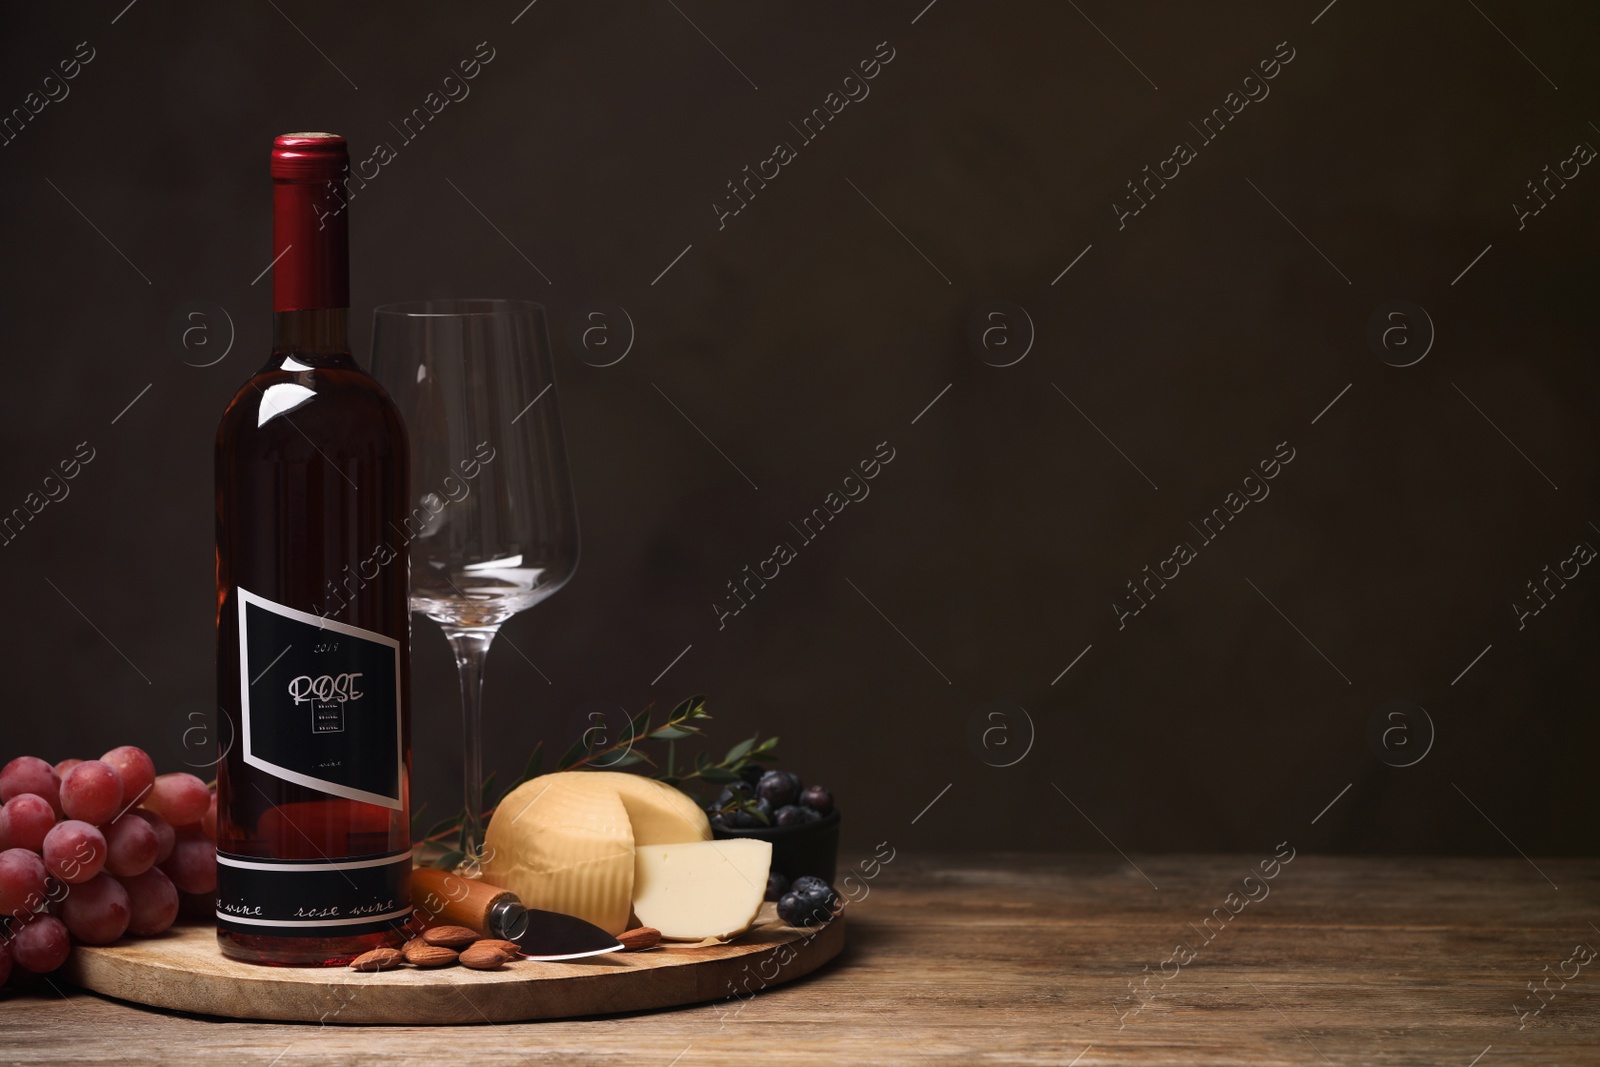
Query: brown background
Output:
(807,331)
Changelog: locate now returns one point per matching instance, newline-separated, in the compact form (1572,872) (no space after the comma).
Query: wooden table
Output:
(1028,960)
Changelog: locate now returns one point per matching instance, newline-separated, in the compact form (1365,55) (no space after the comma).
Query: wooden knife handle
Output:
(440,898)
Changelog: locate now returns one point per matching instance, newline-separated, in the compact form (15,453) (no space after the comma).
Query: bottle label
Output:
(312,898)
(320,702)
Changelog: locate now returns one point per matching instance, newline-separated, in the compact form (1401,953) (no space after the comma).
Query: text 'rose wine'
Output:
(313,627)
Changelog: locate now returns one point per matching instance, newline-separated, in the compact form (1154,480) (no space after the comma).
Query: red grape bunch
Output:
(91,850)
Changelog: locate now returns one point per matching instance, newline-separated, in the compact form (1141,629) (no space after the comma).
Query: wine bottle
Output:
(313,627)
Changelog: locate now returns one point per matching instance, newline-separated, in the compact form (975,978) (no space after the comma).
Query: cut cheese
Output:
(565,841)
(659,814)
(701,889)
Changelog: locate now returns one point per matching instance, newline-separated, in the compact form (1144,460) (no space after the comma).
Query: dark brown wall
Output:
(1213,326)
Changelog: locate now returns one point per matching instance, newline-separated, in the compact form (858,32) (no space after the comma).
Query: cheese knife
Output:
(439,896)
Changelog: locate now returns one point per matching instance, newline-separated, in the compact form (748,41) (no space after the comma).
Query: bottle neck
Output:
(316,336)
(311,248)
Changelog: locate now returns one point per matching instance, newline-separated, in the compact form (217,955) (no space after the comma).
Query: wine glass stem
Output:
(471,645)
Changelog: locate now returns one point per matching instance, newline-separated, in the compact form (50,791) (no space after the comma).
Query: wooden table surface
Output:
(1034,960)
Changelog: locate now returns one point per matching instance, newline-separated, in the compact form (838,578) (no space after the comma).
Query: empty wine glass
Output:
(494,529)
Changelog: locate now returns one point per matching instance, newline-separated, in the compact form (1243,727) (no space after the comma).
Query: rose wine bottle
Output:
(313,627)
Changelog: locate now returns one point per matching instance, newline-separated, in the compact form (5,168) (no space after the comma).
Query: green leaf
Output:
(691,708)
(640,726)
(449,860)
(741,750)
(672,733)
(702,761)
(444,824)
(532,769)
(719,775)
(573,756)
(627,759)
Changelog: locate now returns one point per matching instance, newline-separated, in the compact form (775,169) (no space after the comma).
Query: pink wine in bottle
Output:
(313,628)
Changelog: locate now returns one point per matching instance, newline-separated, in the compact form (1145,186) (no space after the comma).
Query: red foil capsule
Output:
(310,230)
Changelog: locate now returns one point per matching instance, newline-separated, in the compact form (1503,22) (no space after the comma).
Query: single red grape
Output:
(42,945)
(131,846)
(22,878)
(179,798)
(137,770)
(165,834)
(30,774)
(30,817)
(66,765)
(74,851)
(97,911)
(152,902)
(92,792)
(193,863)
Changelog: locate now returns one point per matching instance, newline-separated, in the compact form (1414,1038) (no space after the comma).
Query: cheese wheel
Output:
(565,841)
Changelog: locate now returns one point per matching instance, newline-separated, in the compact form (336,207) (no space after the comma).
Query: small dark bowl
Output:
(797,850)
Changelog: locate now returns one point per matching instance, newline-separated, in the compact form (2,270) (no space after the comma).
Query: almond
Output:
(510,948)
(641,937)
(450,936)
(379,959)
(421,954)
(482,957)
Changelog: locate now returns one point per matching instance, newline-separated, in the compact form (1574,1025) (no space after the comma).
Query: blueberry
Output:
(809,885)
(779,788)
(777,886)
(734,791)
(752,774)
(719,819)
(821,895)
(791,815)
(818,799)
(793,909)
(752,816)
(798,910)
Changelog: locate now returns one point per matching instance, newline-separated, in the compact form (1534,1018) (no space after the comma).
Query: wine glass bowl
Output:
(485,593)
(493,528)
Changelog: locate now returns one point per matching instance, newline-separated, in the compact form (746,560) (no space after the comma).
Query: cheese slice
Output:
(701,889)
(565,841)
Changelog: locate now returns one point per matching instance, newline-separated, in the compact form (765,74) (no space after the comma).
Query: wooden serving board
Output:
(184,971)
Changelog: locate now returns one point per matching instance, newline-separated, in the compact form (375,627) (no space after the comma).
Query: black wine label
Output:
(320,702)
(312,898)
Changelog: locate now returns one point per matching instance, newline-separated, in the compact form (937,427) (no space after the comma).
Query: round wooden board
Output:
(183,970)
